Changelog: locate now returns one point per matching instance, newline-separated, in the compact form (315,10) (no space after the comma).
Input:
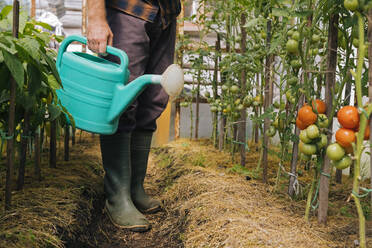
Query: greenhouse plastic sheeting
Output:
(25,4)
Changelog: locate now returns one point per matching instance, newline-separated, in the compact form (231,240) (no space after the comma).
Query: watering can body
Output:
(94,89)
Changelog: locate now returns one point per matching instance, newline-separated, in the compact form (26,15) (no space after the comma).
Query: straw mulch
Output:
(55,210)
(208,202)
(215,208)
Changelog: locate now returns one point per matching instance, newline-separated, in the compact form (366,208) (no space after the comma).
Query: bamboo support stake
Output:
(330,82)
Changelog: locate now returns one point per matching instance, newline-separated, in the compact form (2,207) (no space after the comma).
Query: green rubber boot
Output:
(140,148)
(119,207)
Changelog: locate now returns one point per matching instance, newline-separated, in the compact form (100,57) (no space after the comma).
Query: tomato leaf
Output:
(52,65)
(31,46)
(5,77)
(34,75)
(280,12)
(54,111)
(44,25)
(5,11)
(15,67)
(53,83)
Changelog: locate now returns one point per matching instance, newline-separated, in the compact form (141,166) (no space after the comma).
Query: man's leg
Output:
(151,103)
(130,36)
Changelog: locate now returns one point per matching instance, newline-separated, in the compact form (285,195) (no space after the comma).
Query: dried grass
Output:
(215,208)
(56,209)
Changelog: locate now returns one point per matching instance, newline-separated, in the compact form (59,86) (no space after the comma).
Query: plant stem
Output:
(360,135)
(310,195)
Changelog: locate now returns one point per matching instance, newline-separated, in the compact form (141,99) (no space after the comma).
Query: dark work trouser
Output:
(150,49)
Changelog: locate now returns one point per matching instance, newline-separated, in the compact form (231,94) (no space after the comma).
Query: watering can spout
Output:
(172,81)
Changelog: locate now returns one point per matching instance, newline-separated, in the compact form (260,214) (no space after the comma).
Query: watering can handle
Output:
(109,49)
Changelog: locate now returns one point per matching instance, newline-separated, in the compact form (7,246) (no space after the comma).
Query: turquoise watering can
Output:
(96,91)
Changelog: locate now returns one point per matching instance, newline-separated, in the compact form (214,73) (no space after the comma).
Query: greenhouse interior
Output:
(185,123)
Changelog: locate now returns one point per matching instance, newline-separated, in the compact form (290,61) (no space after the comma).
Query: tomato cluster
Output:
(307,117)
(348,117)
(312,139)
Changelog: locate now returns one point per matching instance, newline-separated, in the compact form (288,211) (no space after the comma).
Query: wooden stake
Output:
(84,22)
(243,85)
(268,100)
(53,145)
(23,153)
(330,82)
(11,120)
(179,58)
(33,8)
(67,142)
(37,157)
(215,88)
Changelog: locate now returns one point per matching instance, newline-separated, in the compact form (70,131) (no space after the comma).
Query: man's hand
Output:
(99,34)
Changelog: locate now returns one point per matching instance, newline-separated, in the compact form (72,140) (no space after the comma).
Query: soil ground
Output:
(207,202)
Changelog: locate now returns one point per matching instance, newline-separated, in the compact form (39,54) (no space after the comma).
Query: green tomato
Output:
(290,32)
(356,42)
(228,109)
(335,152)
(288,94)
(234,89)
(313,52)
(296,63)
(304,138)
(312,131)
(271,131)
(276,105)
(322,141)
(225,87)
(240,107)
(247,101)
(282,106)
(296,35)
(307,149)
(292,81)
(258,100)
(207,94)
(343,163)
(237,101)
(315,38)
(278,124)
(292,46)
(263,35)
(292,99)
(322,121)
(351,5)
(214,109)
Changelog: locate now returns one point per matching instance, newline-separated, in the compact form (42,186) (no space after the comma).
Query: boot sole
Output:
(134,228)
